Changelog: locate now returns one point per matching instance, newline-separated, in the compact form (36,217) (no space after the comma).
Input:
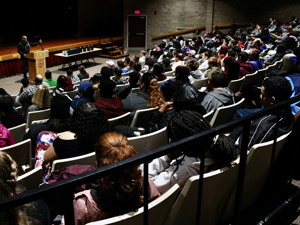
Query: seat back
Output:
(258,166)
(37,115)
(225,114)
(142,116)
(235,85)
(261,73)
(208,116)
(150,141)
(248,78)
(217,186)
(135,90)
(120,87)
(86,79)
(31,179)
(87,159)
(120,120)
(157,213)
(200,83)
(20,153)
(170,74)
(18,132)
(162,81)
(271,68)
(71,94)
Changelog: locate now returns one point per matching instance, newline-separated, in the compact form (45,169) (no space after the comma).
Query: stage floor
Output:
(10,52)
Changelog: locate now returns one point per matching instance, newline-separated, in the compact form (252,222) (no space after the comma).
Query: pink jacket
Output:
(87,210)
(5,137)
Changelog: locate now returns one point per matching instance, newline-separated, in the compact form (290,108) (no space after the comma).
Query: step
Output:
(106,43)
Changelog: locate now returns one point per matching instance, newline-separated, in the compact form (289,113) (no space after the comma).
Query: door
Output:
(137,32)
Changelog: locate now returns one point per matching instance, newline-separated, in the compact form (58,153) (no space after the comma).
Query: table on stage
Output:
(68,58)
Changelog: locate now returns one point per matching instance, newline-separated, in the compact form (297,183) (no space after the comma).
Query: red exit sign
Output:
(137,12)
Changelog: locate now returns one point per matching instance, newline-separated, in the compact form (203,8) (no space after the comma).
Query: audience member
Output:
(218,93)
(51,81)
(109,198)
(245,67)
(158,72)
(178,61)
(6,139)
(82,73)
(255,61)
(74,79)
(110,105)
(195,74)
(40,100)
(166,64)
(88,123)
(134,78)
(232,69)
(179,166)
(118,79)
(150,95)
(25,84)
(85,94)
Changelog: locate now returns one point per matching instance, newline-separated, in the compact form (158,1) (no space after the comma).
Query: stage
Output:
(10,63)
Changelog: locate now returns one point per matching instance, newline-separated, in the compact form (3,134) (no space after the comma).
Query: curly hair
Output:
(88,123)
(123,188)
(193,64)
(156,98)
(8,187)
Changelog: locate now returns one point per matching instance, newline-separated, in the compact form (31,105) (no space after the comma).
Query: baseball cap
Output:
(110,62)
(84,86)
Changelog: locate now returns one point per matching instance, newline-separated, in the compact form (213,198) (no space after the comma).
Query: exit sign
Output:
(136,11)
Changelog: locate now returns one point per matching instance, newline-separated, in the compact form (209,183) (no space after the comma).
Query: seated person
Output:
(6,137)
(82,73)
(218,93)
(280,52)
(85,94)
(150,95)
(195,74)
(88,123)
(166,64)
(110,105)
(72,77)
(108,198)
(274,90)
(51,81)
(9,117)
(59,120)
(179,166)
(245,67)
(178,61)
(106,72)
(181,73)
(185,97)
(232,69)
(158,72)
(255,61)
(40,100)
(118,79)
(25,84)
(134,78)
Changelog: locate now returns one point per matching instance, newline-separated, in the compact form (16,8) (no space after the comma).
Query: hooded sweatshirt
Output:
(195,75)
(111,107)
(218,98)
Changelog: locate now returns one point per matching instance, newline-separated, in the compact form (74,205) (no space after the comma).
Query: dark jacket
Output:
(24,48)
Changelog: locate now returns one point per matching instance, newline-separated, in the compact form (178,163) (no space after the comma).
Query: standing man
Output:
(23,50)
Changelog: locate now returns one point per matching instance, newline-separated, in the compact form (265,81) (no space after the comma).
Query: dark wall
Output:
(47,19)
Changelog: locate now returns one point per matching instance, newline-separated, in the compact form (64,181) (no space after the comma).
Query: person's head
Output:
(38,79)
(110,63)
(126,61)
(137,67)
(232,43)
(118,72)
(253,55)
(88,123)
(41,97)
(24,39)
(214,62)
(188,123)
(280,48)
(236,50)
(48,74)
(186,97)
(69,72)
(193,64)
(157,69)
(106,73)
(25,82)
(8,188)
(134,77)
(6,104)
(121,64)
(82,70)
(213,70)
(125,194)
(166,62)
(216,80)
(60,80)
(149,85)
(275,89)
(86,90)
(178,57)
(288,66)
(106,88)
(206,55)
(143,53)
(243,57)
(150,62)
(182,73)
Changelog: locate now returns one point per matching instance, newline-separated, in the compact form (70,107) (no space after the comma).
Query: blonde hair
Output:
(41,98)
(214,61)
(8,187)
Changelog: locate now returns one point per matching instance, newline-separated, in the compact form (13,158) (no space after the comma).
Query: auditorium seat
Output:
(37,115)
(18,132)
(120,120)
(31,179)
(235,85)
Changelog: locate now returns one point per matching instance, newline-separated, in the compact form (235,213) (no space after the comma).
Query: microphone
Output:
(38,37)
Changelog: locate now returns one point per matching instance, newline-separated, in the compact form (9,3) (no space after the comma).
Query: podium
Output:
(37,64)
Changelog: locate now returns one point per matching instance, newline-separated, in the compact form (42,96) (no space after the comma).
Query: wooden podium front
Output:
(37,64)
